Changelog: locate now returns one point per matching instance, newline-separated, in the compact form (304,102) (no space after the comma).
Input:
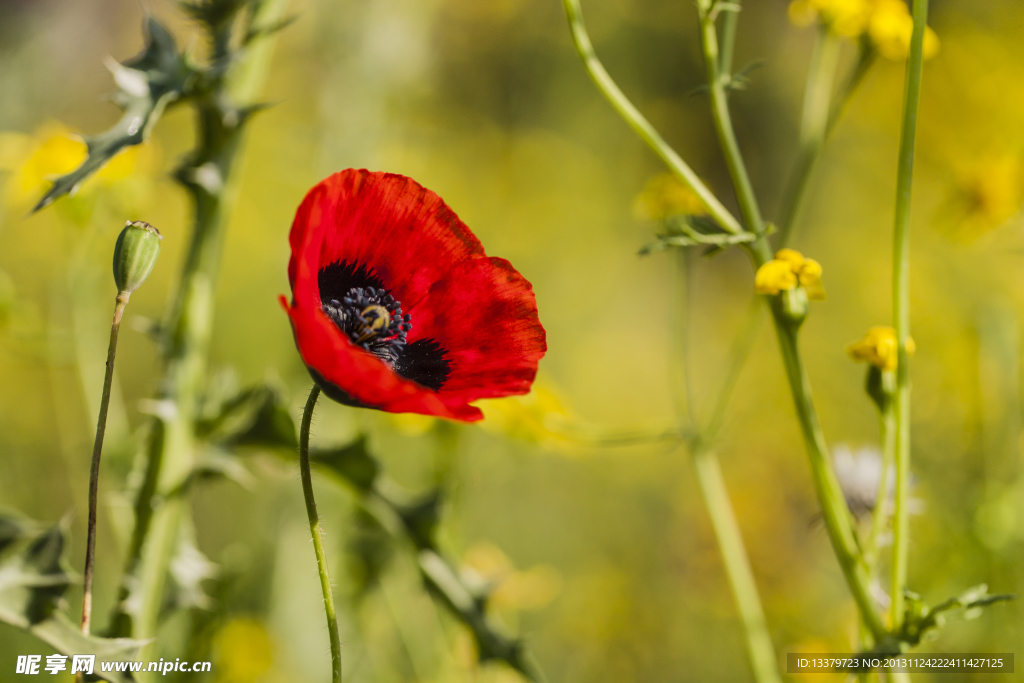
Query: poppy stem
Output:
(94,470)
(901,309)
(317,533)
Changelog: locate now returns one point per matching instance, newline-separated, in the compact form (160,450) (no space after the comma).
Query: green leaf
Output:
(257,417)
(33,580)
(352,463)
(215,464)
(920,622)
(693,231)
(216,14)
(741,79)
(145,86)
(370,551)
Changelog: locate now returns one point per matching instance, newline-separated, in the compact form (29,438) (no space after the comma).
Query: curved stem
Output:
(317,533)
(901,308)
(94,470)
(749,208)
(639,124)
(834,511)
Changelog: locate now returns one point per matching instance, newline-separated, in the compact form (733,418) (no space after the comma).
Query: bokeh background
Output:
(611,572)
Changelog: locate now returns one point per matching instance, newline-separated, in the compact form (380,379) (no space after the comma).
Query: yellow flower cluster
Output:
(787,270)
(665,196)
(886,22)
(879,347)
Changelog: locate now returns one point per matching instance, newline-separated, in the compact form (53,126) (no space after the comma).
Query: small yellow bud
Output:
(810,277)
(788,269)
(879,348)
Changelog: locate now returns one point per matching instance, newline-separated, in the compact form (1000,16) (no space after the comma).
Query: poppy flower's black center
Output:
(372,319)
(381,332)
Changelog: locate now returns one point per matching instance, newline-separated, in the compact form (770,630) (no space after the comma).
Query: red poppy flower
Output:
(395,305)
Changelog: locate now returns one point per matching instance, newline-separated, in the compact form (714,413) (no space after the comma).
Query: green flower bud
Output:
(794,305)
(135,254)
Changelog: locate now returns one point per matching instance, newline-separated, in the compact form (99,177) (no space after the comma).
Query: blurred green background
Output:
(617,576)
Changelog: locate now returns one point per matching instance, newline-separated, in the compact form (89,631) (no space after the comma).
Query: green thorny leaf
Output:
(254,418)
(416,518)
(257,417)
(145,86)
(922,621)
(33,579)
(690,230)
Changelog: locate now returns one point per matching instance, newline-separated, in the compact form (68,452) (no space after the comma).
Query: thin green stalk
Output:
(207,176)
(639,124)
(814,127)
(835,514)
(738,354)
(715,495)
(749,208)
(94,470)
(727,40)
(901,308)
(317,533)
(834,510)
(712,487)
(880,515)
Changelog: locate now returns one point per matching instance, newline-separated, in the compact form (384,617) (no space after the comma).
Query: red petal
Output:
(484,313)
(362,376)
(389,223)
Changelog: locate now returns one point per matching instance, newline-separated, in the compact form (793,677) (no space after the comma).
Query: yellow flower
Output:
(842,17)
(890,28)
(665,196)
(787,270)
(879,348)
(31,162)
(244,651)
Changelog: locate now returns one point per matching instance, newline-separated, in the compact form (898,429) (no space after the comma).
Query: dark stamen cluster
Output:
(372,319)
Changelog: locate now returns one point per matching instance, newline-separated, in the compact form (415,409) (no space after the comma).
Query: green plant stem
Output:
(880,515)
(711,484)
(639,123)
(749,209)
(835,513)
(901,308)
(727,40)
(834,510)
(94,470)
(207,176)
(814,127)
(737,565)
(830,497)
(317,533)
